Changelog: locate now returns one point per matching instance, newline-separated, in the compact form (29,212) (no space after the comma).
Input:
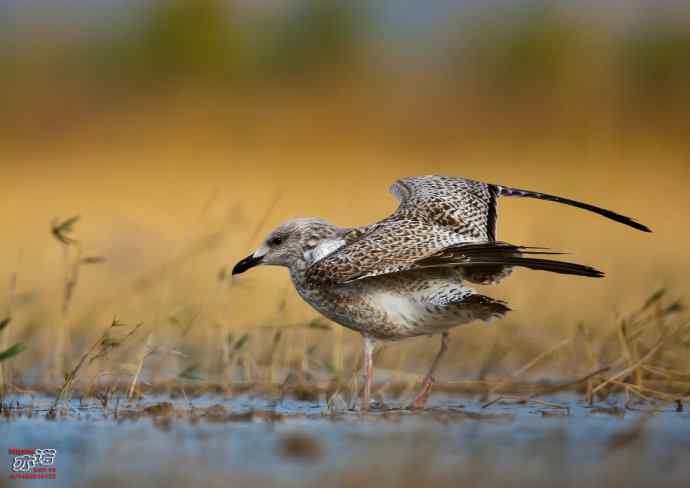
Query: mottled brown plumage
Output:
(404,275)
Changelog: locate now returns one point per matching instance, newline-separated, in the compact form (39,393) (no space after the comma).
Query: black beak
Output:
(248,262)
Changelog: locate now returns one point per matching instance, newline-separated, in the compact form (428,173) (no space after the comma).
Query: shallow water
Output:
(296,443)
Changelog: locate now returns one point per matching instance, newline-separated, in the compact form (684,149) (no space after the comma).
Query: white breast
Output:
(403,310)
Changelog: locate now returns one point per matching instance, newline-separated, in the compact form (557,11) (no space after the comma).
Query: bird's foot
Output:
(420,400)
(375,404)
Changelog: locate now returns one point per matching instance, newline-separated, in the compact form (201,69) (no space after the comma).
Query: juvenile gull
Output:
(406,275)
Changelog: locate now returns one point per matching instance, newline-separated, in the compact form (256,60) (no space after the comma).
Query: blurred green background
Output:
(616,64)
(182,131)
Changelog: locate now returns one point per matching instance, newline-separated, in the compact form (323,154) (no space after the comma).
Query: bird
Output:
(410,274)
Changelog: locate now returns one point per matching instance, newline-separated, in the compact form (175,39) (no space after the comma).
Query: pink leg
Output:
(368,371)
(423,396)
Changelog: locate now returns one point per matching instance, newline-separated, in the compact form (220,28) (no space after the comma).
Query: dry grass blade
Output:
(6,353)
(630,368)
(654,298)
(99,349)
(4,323)
(93,260)
(147,351)
(667,373)
(60,230)
(651,393)
(589,350)
(567,385)
(525,368)
(626,371)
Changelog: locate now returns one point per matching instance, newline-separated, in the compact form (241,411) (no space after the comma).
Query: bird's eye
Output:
(276,241)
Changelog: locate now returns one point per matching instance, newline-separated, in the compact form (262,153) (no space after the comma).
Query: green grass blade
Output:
(12,351)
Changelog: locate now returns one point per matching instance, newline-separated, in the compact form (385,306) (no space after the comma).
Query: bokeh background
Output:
(183,131)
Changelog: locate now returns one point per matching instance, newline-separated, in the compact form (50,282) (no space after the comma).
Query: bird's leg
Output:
(368,371)
(422,397)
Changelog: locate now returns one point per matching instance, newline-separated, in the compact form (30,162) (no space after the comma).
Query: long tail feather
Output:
(505,191)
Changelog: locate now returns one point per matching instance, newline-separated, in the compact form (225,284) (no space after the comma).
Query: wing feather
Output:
(463,206)
(376,254)
(387,247)
(469,207)
(438,221)
(501,253)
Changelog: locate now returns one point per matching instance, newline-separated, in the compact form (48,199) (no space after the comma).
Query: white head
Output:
(294,244)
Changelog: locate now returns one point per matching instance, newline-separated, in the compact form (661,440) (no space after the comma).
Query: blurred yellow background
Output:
(181,132)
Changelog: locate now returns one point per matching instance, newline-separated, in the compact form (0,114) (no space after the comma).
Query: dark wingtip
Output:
(586,271)
(629,222)
(517,192)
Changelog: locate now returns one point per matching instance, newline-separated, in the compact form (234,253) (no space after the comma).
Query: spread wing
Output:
(396,246)
(442,222)
(468,207)
(465,207)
